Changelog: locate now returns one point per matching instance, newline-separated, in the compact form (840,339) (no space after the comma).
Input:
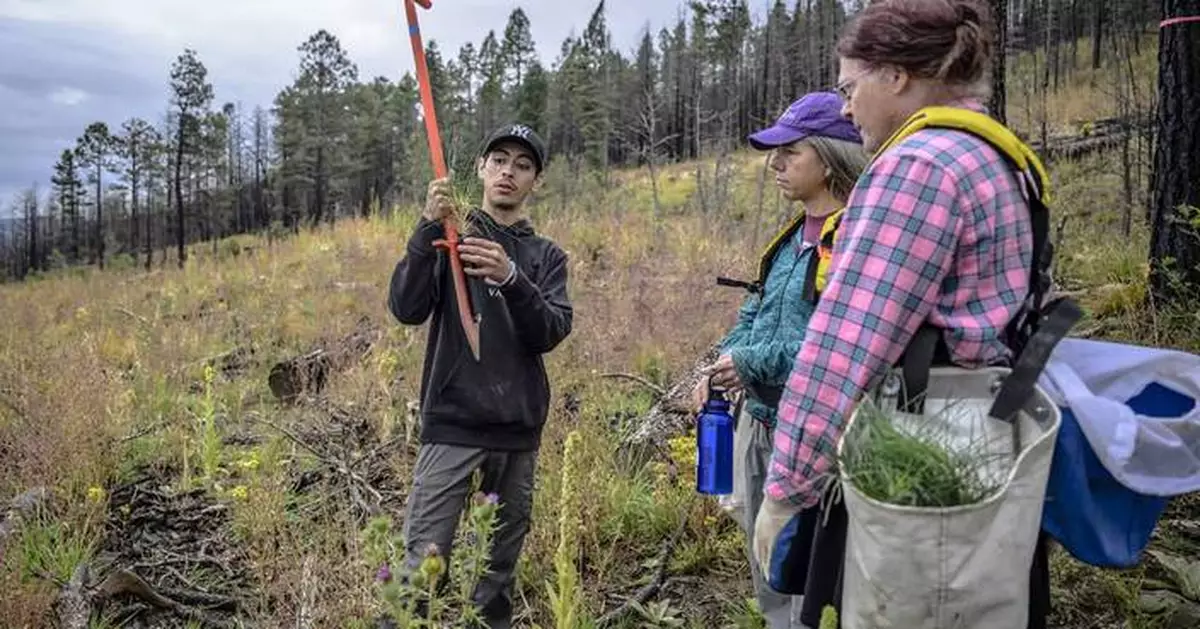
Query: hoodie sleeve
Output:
(541,311)
(414,289)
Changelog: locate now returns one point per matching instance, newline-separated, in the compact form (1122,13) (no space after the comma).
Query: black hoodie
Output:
(501,401)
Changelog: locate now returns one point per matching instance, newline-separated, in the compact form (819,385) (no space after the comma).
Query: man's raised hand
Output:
(439,200)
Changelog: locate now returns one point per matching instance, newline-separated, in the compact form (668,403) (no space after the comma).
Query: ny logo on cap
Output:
(521,131)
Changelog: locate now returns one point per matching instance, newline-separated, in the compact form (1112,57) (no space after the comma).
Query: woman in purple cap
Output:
(817,156)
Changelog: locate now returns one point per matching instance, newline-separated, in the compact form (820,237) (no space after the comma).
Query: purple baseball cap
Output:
(816,113)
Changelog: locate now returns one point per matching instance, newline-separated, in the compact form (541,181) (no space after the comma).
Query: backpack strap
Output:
(1037,327)
(816,276)
(783,237)
(756,286)
(926,349)
(1025,323)
(750,287)
(1018,385)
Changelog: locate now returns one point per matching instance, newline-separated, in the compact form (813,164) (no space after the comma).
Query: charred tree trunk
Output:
(997,104)
(99,251)
(319,209)
(1046,35)
(1174,241)
(149,243)
(179,235)
(31,216)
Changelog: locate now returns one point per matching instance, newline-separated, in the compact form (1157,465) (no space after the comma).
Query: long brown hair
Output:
(845,161)
(950,41)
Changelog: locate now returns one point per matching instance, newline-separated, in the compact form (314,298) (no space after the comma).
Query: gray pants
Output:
(441,483)
(781,611)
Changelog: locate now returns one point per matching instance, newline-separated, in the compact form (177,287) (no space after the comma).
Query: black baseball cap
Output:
(523,134)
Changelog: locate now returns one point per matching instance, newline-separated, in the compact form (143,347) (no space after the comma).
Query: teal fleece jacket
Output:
(770,328)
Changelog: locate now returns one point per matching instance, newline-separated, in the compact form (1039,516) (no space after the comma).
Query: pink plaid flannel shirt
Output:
(937,228)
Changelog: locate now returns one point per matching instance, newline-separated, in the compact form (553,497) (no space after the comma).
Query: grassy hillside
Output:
(1081,94)
(141,401)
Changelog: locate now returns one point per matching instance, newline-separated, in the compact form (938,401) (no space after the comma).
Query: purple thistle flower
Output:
(492,498)
(384,575)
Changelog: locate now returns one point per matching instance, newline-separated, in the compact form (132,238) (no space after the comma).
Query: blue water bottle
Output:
(714,445)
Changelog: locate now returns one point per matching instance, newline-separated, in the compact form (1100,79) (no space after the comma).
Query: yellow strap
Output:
(823,262)
(982,125)
(831,222)
(764,260)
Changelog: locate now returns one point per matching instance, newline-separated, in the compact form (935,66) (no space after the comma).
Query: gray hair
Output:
(845,161)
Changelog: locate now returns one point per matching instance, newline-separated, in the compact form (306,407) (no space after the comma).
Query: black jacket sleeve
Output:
(414,288)
(541,312)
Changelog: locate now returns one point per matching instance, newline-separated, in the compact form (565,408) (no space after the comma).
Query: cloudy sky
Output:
(65,63)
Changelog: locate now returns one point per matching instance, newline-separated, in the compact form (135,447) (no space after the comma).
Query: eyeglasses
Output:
(846,88)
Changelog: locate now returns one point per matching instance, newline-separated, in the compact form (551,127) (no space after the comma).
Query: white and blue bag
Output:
(1129,441)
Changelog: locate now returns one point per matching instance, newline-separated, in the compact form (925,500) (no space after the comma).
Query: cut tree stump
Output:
(73,607)
(20,510)
(308,373)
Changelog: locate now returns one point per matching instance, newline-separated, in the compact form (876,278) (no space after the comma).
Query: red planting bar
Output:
(469,323)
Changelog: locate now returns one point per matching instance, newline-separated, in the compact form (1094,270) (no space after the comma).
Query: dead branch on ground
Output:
(331,463)
(657,580)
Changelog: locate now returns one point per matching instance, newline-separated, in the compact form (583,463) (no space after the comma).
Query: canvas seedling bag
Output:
(961,567)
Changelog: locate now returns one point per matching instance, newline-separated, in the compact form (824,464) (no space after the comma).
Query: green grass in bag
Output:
(914,468)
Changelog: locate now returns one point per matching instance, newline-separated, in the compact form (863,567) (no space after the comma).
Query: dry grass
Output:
(91,358)
(104,374)
(1084,95)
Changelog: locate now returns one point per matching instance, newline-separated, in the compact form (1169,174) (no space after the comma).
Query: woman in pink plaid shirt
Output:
(937,231)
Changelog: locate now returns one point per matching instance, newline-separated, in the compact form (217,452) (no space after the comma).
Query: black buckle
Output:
(751,287)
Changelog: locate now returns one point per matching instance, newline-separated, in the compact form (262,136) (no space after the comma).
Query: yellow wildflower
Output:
(251,462)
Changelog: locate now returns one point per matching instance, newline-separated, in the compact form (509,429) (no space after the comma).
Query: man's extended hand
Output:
(485,258)
(772,517)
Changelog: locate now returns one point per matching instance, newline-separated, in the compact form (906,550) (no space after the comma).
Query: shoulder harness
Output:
(1039,325)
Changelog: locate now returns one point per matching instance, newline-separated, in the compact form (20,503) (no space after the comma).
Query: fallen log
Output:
(638,379)
(671,415)
(309,373)
(1104,134)
(338,466)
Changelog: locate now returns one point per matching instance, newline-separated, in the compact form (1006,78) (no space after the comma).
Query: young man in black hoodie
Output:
(484,415)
